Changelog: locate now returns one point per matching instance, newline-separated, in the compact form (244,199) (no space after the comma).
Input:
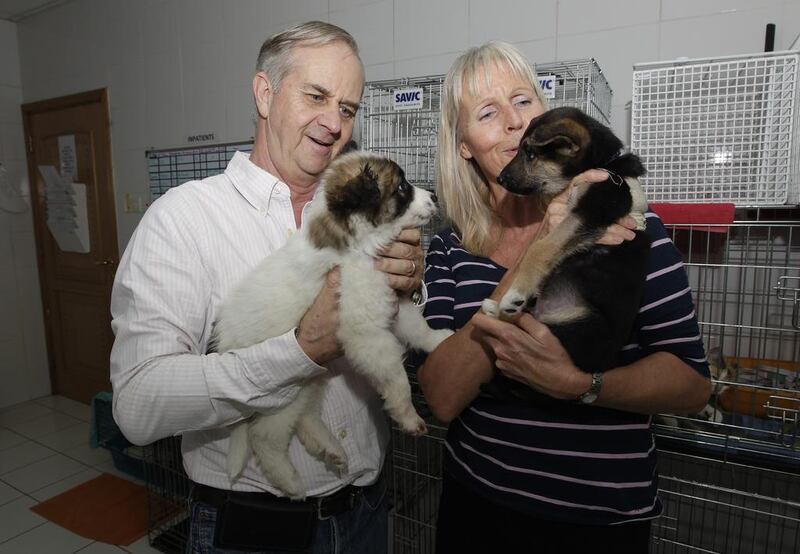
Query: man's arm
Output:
(164,382)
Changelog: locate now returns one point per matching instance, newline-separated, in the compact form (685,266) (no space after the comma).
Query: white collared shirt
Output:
(192,246)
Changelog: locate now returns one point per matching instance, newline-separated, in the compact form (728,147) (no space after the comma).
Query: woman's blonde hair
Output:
(460,185)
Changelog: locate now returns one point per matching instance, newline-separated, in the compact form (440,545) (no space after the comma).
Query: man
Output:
(197,242)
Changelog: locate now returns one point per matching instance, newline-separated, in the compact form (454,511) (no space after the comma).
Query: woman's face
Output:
(492,121)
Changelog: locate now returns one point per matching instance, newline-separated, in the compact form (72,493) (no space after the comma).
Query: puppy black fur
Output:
(608,281)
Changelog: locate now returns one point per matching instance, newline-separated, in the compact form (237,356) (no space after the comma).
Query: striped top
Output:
(561,460)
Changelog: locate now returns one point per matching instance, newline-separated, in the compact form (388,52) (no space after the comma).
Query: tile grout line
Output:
(24,532)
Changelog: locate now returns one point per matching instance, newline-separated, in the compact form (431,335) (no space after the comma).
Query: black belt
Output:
(325,507)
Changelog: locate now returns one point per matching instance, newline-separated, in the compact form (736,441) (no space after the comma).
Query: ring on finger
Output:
(413,267)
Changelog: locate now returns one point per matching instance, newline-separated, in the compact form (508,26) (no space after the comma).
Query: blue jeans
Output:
(362,530)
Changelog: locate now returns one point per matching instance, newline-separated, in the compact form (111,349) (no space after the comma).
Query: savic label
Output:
(407,98)
(548,84)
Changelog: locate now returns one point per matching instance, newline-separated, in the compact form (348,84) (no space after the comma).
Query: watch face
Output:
(588,398)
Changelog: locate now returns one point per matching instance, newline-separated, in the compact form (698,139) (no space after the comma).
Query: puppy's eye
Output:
(529,154)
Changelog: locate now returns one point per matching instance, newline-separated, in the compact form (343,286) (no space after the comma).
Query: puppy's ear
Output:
(350,146)
(565,136)
(361,194)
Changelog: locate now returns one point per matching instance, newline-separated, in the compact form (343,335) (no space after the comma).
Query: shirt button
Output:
(343,434)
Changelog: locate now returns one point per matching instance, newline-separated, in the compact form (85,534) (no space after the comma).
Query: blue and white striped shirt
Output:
(561,460)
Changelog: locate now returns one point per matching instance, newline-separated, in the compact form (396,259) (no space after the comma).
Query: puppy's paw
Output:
(413,425)
(295,491)
(641,222)
(490,307)
(290,484)
(337,461)
(512,304)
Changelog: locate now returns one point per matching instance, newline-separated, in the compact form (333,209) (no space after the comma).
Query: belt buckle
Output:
(320,515)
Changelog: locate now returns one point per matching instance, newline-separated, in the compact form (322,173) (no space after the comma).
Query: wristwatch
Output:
(590,395)
(420,296)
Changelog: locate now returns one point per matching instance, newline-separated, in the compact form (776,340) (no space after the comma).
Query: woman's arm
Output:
(452,375)
(528,352)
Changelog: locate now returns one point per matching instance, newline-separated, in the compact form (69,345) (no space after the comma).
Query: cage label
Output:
(548,84)
(407,98)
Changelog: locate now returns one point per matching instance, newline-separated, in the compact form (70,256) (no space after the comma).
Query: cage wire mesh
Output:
(168,489)
(730,476)
(719,129)
(410,136)
(580,84)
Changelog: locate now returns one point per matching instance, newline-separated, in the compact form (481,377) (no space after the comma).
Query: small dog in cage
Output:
(586,293)
(364,203)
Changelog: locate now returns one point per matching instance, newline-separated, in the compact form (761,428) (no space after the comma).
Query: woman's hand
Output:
(528,352)
(558,209)
(403,261)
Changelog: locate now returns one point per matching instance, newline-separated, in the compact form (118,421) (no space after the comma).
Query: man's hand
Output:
(558,209)
(316,333)
(403,262)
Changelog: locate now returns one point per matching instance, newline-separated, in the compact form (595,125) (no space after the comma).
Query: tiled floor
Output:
(44,451)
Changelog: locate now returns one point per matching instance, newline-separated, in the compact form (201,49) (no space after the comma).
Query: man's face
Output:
(310,118)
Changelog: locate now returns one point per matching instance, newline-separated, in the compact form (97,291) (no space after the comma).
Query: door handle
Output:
(108,261)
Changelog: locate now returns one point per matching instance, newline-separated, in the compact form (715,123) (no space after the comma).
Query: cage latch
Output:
(788,290)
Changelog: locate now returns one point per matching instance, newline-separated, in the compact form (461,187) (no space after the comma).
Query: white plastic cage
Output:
(719,129)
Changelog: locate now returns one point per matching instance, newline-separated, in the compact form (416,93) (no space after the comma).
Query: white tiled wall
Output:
(180,67)
(23,363)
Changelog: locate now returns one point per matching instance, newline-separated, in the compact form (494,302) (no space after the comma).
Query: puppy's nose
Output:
(433,196)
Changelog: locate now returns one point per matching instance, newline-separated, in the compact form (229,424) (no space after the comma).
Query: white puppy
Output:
(364,203)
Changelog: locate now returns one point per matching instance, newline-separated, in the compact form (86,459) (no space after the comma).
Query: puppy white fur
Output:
(364,203)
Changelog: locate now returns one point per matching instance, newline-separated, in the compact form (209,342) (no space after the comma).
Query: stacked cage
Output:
(407,135)
(719,129)
(580,84)
(410,137)
(730,476)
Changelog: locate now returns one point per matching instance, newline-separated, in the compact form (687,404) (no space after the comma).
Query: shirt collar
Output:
(258,186)
(255,184)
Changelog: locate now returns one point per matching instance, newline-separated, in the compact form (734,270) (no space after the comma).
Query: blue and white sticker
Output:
(548,84)
(407,98)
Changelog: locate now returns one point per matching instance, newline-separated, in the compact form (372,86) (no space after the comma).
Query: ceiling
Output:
(16,10)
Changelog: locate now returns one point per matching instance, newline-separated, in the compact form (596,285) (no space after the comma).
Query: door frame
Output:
(37,201)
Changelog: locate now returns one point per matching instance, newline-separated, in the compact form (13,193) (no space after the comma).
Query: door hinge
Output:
(30,144)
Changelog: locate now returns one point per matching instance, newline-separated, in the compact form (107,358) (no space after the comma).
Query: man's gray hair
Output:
(275,57)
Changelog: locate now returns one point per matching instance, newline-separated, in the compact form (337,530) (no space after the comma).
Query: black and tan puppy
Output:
(588,294)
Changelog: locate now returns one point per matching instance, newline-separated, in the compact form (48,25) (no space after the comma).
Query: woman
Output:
(557,475)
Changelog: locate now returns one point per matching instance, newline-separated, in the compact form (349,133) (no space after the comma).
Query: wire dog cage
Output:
(719,129)
(168,489)
(730,477)
(408,134)
(580,84)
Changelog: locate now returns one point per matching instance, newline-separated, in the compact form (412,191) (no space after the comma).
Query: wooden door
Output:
(76,236)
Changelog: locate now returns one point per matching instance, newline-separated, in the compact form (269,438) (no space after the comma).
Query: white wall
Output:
(180,67)
(23,362)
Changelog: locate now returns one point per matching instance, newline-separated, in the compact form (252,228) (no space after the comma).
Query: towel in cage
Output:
(711,217)
(698,230)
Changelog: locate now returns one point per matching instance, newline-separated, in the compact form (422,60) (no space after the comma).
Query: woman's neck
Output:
(515,211)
